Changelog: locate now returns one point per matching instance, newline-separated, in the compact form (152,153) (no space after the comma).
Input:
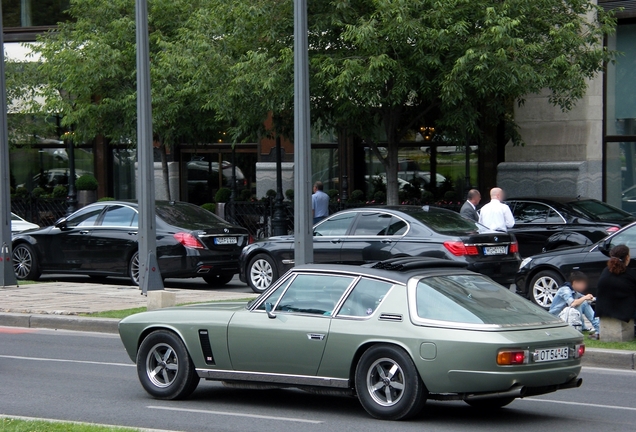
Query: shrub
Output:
(211,207)
(333,194)
(22,192)
(106,199)
(60,191)
(289,193)
(223,195)
(379,196)
(271,193)
(450,195)
(38,192)
(245,195)
(428,197)
(356,196)
(86,182)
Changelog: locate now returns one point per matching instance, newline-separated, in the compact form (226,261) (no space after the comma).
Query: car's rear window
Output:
(474,299)
(188,216)
(447,222)
(599,211)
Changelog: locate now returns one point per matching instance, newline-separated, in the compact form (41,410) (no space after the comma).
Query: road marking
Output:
(66,361)
(583,404)
(50,420)
(235,414)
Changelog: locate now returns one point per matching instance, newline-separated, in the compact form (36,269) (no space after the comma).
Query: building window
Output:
(32,13)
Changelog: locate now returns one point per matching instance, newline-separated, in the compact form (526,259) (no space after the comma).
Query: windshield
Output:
(474,299)
(447,222)
(188,216)
(599,211)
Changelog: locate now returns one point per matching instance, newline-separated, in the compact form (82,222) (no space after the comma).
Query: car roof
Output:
(397,269)
(402,208)
(550,200)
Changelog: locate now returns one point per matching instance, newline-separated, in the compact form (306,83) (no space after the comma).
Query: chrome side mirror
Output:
(268,309)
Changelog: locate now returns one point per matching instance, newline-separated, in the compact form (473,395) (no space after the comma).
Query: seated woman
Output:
(616,288)
(571,295)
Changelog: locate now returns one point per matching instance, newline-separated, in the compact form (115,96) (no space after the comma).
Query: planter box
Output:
(85,197)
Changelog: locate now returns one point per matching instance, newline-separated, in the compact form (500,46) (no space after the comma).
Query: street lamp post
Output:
(279,221)
(303,235)
(71,197)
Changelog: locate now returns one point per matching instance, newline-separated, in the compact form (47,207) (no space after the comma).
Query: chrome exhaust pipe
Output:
(203,270)
(573,383)
(518,391)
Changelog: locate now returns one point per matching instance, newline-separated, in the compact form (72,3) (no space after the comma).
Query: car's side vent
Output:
(206,347)
(390,317)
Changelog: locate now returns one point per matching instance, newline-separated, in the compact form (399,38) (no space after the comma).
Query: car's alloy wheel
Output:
(25,263)
(261,273)
(133,268)
(544,287)
(388,384)
(164,366)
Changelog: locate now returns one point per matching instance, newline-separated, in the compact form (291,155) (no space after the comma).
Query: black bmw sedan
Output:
(100,240)
(368,235)
(545,224)
(540,276)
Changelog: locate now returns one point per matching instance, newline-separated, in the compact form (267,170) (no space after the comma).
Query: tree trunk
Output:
(164,168)
(392,185)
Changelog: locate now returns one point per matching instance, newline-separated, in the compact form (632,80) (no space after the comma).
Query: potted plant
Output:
(86,187)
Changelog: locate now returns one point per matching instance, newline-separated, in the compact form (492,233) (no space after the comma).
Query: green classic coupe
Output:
(395,335)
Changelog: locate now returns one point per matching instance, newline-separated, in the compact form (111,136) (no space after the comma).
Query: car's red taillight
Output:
(514,247)
(611,229)
(506,358)
(251,240)
(579,350)
(458,248)
(188,240)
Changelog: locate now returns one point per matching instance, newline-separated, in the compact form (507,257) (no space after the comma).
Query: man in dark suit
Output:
(469,209)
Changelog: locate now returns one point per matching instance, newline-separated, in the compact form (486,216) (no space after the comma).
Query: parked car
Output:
(101,240)
(545,224)
(541,275)
(18,224)
(367,235)
(394,335)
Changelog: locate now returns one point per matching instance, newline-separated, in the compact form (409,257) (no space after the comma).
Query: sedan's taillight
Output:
(514,247)
(458,248)
(507,358)
(188,240)
(612,229)
(251,240)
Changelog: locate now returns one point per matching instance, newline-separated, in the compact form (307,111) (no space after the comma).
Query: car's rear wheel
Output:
(543,287)
(261,273)
(164,366)
(218,280)
(491,403)
(388,384)
(25,263)
(133,268)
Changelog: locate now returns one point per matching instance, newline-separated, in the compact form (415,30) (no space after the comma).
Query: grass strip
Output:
(123,313)
(17,425)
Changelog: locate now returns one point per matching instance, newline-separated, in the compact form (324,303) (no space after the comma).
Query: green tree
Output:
(381,68)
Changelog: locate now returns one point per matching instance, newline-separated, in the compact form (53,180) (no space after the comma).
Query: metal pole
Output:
(149,275)
(279,221)
(7,275)
(303,226)
(71,198)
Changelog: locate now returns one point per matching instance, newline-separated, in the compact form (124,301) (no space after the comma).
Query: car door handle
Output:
(84,232)
(132,232)
(335,241)
(315,336)
(387,241)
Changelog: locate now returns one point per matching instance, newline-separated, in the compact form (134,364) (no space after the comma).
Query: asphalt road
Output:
(88,377)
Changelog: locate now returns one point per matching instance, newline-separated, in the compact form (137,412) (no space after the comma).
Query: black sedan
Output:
(541,275)
(101,240)
(545,224)
(368,235)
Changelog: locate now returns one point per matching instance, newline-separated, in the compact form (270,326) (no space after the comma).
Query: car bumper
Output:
(521,282)
(196,266)
(502,272)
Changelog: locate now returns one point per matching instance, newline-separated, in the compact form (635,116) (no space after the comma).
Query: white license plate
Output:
(551,354)
(225,240)
(496,250)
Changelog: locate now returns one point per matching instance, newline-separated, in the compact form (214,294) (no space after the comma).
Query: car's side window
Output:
(365,298)
(314,294)
(527,212)
(336,225)
(372,224)
(397,227)
(273,297)
(555,218)
(118,216)
(627,238)
(85,218)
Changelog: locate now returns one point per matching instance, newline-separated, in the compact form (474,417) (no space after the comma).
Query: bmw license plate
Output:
(225,240)
(551,354)
(496,250)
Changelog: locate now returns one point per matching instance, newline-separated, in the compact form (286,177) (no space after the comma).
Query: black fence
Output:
(41,211)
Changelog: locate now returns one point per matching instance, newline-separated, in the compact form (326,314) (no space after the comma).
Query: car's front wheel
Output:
(543,287)
(388,384)
(164,366)
(261,273)
(218,280)
(133,268)
(25,263)
(490,403)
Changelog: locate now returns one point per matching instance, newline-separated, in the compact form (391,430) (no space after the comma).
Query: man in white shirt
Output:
(496,215)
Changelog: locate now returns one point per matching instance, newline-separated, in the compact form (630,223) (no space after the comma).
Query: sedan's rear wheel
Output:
(543,287)
(218,280)
(25,263)
(388,384)
(133,268)
(490,404)
(261,273)
(164,366)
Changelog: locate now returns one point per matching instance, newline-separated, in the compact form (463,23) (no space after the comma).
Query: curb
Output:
(60,322)
(607,358)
